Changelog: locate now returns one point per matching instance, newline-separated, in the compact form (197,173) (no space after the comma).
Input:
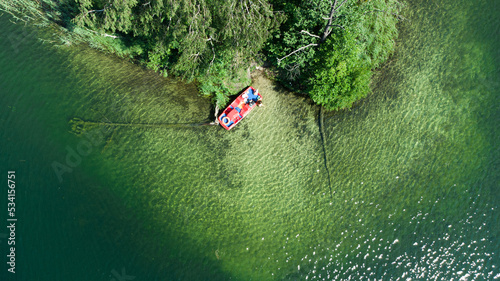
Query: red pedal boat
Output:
(239,108)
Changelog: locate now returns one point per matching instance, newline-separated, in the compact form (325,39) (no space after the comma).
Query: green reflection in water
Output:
(414,168)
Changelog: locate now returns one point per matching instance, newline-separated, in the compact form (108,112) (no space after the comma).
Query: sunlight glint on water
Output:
(414,191)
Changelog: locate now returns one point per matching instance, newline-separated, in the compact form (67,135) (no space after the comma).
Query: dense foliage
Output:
(209,41)
(326,49)
(332,60)
(340,75)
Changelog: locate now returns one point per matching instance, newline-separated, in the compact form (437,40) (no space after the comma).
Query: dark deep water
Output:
(414,169)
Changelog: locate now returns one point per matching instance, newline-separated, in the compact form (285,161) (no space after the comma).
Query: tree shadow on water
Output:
(141,237)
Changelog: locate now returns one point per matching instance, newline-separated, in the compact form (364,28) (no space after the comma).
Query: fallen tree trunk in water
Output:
(323,140)
(79,126)
(216,122)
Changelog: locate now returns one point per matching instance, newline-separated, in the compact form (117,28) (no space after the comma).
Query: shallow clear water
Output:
(413,189)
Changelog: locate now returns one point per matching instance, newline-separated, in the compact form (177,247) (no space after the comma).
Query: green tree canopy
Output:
(326,49)
(185,36)
(341,76)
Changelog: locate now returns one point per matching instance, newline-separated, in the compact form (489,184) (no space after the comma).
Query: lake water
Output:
(406,187)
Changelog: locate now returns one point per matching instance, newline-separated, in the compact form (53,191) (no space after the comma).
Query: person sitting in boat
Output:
(257,100)
(240,106)
(250,99)
(251,94)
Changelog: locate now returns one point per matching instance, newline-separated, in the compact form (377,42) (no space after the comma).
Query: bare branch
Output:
(99,11)
(307,32)
(95,11)
(326,32)
(341,4)
(103,34)
(108,35)
(330,18)
(299,49)
(213,51)
(213,58)
(293,71)
(216,113)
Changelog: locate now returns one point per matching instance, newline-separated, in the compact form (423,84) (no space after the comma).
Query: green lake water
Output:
(406,187)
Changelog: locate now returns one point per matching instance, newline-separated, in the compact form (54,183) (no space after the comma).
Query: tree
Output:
(185,36)
(341,76)
(295,46)
(111,16)
(334,43)
(306,52)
